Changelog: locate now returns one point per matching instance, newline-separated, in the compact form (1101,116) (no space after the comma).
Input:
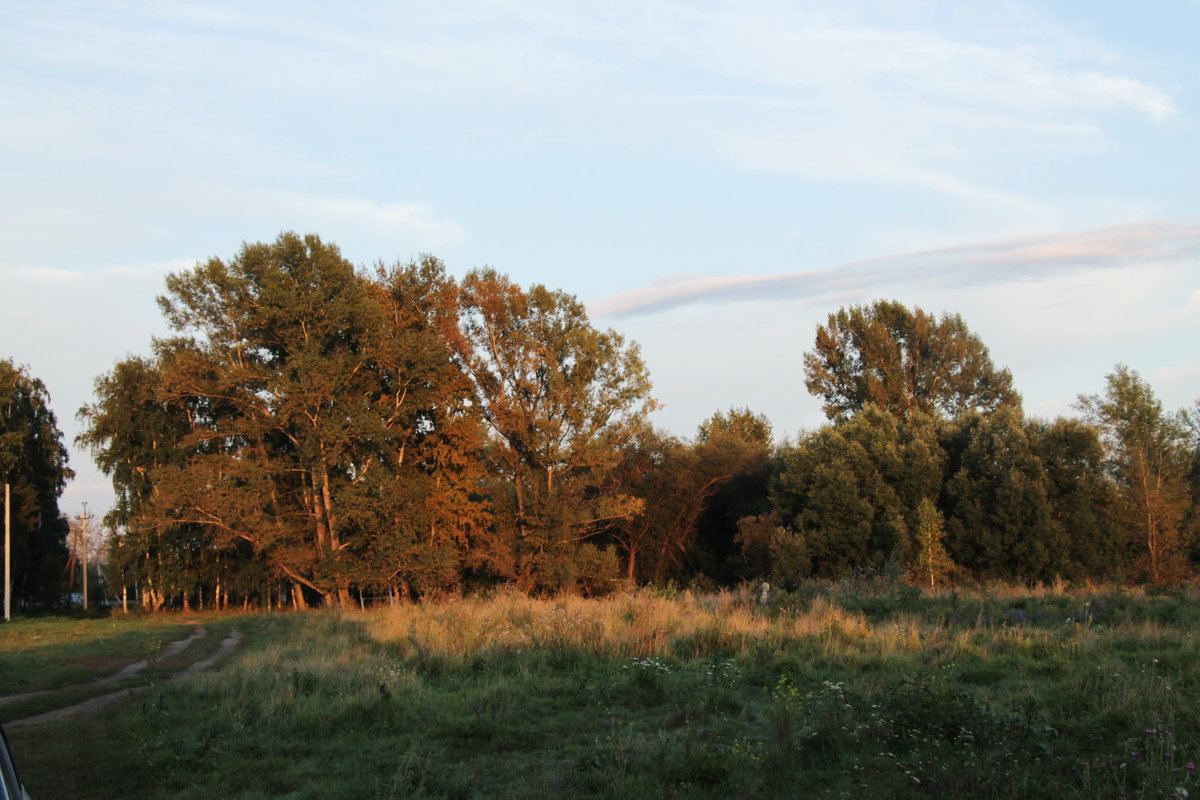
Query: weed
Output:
(830,690)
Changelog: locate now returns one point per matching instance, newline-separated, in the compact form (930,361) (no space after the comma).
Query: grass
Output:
(62,680)
(43,653)
(828,691)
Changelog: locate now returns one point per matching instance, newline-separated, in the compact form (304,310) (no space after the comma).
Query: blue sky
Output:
(713,179)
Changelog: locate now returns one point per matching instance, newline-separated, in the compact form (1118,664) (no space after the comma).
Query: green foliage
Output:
(852,489)
(1150,458)
(33,461)
(999,521)
(739,423)
(1080,496)
(933,564)
(315,431)
(929,700)
(560,398)
(902,360)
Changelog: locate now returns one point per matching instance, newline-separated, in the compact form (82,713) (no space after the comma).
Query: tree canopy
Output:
(382,431)
(560,400)
(902,360)
(1149,456)
(852,491)
(312,431)
(33,461)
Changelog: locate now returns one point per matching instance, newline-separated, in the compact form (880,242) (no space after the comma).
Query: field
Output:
(835,690)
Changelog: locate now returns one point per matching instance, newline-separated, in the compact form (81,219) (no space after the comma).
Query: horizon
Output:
(712,180)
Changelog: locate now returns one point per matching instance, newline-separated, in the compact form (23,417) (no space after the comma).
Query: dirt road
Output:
(227,646)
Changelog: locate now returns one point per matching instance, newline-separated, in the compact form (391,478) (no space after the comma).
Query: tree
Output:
(659,470)
(131,431)
(739,424)
(307,411)
(270,366)
(678,484)
(933,564)
(33,460)
(852,490)
(901,360)
(421,510)
(560,399)
(999,522)
(768,549)
(134,433)
(739,440)
(1080,497)
(1149,457)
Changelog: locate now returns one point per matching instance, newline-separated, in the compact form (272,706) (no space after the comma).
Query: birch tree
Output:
(1149,458)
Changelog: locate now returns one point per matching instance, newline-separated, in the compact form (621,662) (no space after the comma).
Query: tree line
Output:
(316,433)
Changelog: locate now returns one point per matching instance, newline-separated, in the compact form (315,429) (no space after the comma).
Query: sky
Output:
(712,178)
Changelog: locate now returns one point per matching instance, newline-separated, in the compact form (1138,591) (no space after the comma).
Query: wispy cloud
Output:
(413,218)
(1020,259)
(920,99)
(412,225)
(37,276)
(40,275)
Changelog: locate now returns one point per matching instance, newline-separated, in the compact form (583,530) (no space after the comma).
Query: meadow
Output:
(850,689)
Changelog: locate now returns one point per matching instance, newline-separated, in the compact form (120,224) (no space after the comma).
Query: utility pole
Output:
(84,517)
(7,554)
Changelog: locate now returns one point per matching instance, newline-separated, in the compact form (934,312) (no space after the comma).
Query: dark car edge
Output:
(10,782)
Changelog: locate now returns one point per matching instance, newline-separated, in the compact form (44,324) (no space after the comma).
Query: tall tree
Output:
(317,417)
(1149,457)
(1080,497)
(271,360)
(33,460)
(999,521)
(559,398)
(419,508)
(740,441)
(852,491)
(901,360)
(679,483)
(135,433)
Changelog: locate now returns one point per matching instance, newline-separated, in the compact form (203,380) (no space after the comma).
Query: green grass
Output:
(50,652)
(145,643)
(830,691)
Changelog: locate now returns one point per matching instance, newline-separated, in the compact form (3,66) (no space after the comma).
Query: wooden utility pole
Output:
(7,555)
(84,517)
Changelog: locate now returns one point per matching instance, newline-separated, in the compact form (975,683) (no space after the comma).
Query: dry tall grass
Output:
(646,623)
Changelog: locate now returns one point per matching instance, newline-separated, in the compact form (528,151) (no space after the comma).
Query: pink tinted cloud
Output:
(1020,259)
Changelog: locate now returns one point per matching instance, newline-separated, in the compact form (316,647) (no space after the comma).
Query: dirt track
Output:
(228,645)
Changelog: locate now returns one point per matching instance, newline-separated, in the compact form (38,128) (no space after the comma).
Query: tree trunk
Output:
(298,601)
(316,508)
